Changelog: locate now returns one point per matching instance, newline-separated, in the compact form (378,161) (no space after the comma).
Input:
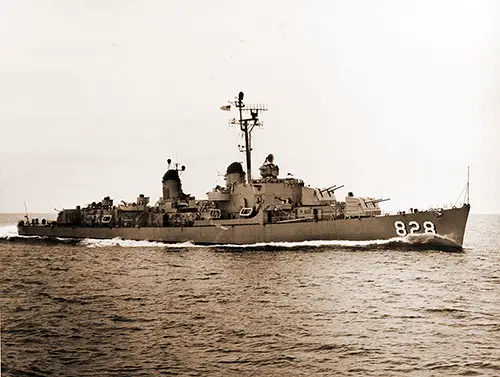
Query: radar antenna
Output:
(176,166)
(246,126)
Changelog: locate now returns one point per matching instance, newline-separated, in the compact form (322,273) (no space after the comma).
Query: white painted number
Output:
(400,228)
(413,227)
(429,227)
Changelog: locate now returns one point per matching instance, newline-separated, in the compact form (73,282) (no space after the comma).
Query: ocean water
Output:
(125,308)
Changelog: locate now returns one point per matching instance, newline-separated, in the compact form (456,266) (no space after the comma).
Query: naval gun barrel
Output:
(375,201)
(331,188)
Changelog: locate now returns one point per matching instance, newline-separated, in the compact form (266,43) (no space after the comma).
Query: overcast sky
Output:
(390,98)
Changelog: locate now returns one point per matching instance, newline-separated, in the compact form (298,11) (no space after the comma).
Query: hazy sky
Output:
(389,98)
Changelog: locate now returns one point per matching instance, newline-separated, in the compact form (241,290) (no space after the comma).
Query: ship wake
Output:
(410,242)
(94,243)
(9,234)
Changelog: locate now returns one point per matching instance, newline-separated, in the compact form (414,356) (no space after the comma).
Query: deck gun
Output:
(330,189)
(376,201)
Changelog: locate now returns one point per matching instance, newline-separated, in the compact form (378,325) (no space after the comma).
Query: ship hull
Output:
(449,224)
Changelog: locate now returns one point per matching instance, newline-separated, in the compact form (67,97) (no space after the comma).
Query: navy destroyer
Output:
(249,210)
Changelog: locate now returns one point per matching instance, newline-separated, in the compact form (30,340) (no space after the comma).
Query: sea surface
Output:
(125,308)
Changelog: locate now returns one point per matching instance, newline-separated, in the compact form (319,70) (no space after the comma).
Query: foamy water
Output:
(8,231)
(92,243)
(412,239)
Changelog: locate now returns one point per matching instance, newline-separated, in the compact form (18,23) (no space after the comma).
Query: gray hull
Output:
(449,223)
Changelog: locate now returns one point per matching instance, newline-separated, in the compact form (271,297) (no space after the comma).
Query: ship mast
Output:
(246,126)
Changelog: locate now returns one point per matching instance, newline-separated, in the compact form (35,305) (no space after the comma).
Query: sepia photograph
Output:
(250,188)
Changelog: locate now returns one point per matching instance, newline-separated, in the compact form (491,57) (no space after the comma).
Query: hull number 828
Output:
(414,227)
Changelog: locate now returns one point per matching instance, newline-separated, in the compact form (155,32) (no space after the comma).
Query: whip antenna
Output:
(26,212)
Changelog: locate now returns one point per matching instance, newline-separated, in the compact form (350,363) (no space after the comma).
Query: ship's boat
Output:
(251,210)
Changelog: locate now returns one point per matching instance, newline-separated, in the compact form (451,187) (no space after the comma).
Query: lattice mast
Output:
(246,126)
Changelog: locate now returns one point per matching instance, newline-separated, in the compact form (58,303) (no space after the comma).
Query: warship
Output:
(249,210)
